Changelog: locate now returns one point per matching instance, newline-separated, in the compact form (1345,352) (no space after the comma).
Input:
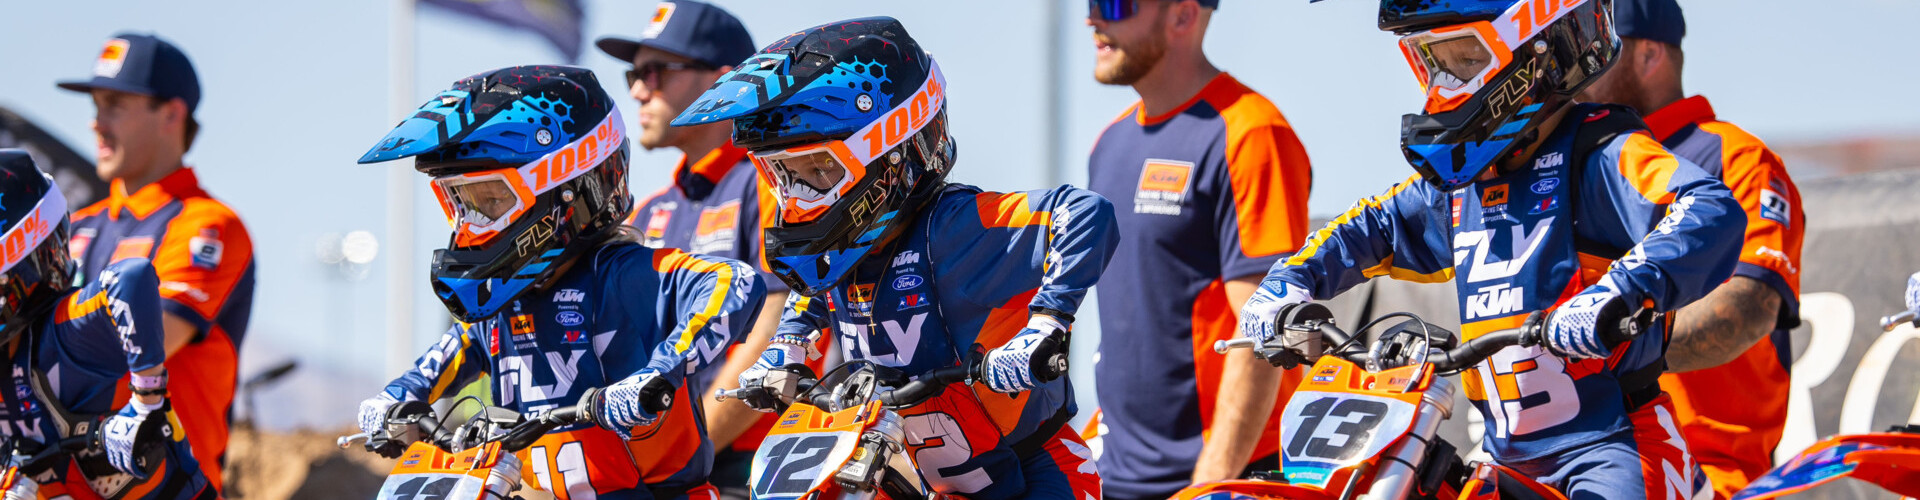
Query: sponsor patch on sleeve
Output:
(1775,208)
(206,249)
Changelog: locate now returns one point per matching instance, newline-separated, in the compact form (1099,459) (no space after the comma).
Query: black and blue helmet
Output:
(1492,70)
(847,122)
(35,268)
(530,165)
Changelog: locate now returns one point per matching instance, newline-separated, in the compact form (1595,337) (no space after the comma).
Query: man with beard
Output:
(1193,168)
(1736,336)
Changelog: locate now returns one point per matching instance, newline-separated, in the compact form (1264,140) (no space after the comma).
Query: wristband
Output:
(148,386)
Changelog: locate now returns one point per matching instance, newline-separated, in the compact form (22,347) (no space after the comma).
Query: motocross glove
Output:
(373,412)
(135,425)
(1259,318)
(625,404)
(1023,363)
(1588,325)
(768,385)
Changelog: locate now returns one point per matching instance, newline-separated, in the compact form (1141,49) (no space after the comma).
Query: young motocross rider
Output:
(1529,203)
(847,121)
(69,346)
(552,296)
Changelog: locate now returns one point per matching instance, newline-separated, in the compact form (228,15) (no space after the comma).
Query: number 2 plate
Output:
(1328,431)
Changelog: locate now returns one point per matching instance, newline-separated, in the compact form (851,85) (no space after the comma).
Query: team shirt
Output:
(1511,246)
(98,335)
(204,258)
(971,269)
(1212,191)
(1733,433)
(619,310)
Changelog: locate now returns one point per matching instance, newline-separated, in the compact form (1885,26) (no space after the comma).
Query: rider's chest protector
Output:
(1517,249)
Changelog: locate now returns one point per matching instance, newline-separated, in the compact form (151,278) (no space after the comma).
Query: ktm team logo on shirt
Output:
(661,15)
(860,299)
(522,324)
(129,248)
(717,228)
(1164,185)
(112,58)
(1493,195)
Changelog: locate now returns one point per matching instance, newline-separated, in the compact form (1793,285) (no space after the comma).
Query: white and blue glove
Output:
(1588,325)
(373,412)
(1259,318)
(124,432)
(1913,292)
(1022,364)
(625,404)
(767,386)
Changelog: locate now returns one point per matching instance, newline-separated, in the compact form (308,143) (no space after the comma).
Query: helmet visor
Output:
(809,179)
(481,204)
(1453,63)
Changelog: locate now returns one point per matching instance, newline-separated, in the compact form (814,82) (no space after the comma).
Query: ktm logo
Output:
(1166,176)
(1496,195)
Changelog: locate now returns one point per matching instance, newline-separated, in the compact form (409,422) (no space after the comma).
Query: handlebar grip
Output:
(1890,322)
(1050,359)
(657,395)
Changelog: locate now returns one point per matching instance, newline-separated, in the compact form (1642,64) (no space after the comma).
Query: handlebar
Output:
(931,384)
(1474,351)
(1910,316)
(1314,317)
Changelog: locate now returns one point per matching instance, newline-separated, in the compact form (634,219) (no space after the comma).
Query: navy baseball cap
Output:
(690,29)
(1657,20)
(143,64)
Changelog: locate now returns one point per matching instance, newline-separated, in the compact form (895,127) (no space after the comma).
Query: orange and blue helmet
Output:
(847,121)
(35,268)
(1492,71)
(530,166)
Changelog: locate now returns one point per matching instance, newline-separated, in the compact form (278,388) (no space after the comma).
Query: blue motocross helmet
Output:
(530,165)
(847,121)
(1492,70)
(35,267)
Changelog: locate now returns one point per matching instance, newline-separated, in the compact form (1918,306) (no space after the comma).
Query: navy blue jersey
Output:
(1526,241)
(98,335)
(620,310)
(1212,191)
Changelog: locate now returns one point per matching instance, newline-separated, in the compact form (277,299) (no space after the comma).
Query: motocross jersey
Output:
(1527,240)
(204,257)
(620,309)
(1733,434)
(972,269)
(98,334)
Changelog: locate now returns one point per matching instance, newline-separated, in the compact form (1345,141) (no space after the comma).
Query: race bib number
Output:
(1326,431)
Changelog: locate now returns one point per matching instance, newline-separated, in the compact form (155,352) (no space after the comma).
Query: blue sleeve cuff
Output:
(1789,301)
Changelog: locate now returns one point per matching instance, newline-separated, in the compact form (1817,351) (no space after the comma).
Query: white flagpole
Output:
(400,264)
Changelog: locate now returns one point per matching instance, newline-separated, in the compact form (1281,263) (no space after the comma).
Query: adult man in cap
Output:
(713,206)
(144,93)
(1211,185)
(1737,336)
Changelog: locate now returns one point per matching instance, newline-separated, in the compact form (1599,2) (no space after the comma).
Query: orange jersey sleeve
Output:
(202,259)
(1775,223)
(1270,176)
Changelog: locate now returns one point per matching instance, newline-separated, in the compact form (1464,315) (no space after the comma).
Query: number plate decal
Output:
(790,465)
(1324,432)
(430,486)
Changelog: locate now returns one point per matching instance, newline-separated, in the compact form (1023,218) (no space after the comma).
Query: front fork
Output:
(1399,467)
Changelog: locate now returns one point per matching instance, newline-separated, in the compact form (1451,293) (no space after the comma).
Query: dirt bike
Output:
(843,440)
(1889,459)
(34,462)
(456,464)
(1364,421)
(24,458)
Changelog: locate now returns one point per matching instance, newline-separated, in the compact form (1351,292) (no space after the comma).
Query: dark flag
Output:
(557,20)
(72,170)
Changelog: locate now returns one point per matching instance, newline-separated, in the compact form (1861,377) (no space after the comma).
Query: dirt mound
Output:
(300,465)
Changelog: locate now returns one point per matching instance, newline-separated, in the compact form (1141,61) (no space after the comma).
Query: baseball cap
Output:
(1657,20)
(142,64)
(690,29)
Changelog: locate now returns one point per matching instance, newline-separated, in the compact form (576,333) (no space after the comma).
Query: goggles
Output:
(481,205)
(1454,62)
(807,180)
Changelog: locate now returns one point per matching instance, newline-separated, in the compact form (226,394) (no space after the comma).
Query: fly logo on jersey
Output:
(717,228)
(1496,300)
(569,295)
(1524,245)
(1549,160)
(517,376)
(895,349)
(905,258)
(1164,185)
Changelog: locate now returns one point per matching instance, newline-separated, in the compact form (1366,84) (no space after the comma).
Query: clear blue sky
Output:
(295,91)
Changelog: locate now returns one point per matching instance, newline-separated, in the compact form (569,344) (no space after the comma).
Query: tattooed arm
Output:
(1722,325)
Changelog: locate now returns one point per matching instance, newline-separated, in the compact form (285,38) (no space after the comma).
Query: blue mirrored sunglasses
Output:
(1112,10)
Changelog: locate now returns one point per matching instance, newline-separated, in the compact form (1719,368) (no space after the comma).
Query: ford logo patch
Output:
(907,282)
(570,318)
(1545,185)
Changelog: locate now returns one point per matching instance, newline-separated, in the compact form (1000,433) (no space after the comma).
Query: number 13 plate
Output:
(1328,431)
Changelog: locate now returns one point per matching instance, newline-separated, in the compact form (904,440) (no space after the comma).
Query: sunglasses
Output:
(1113,10)
(650,71)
